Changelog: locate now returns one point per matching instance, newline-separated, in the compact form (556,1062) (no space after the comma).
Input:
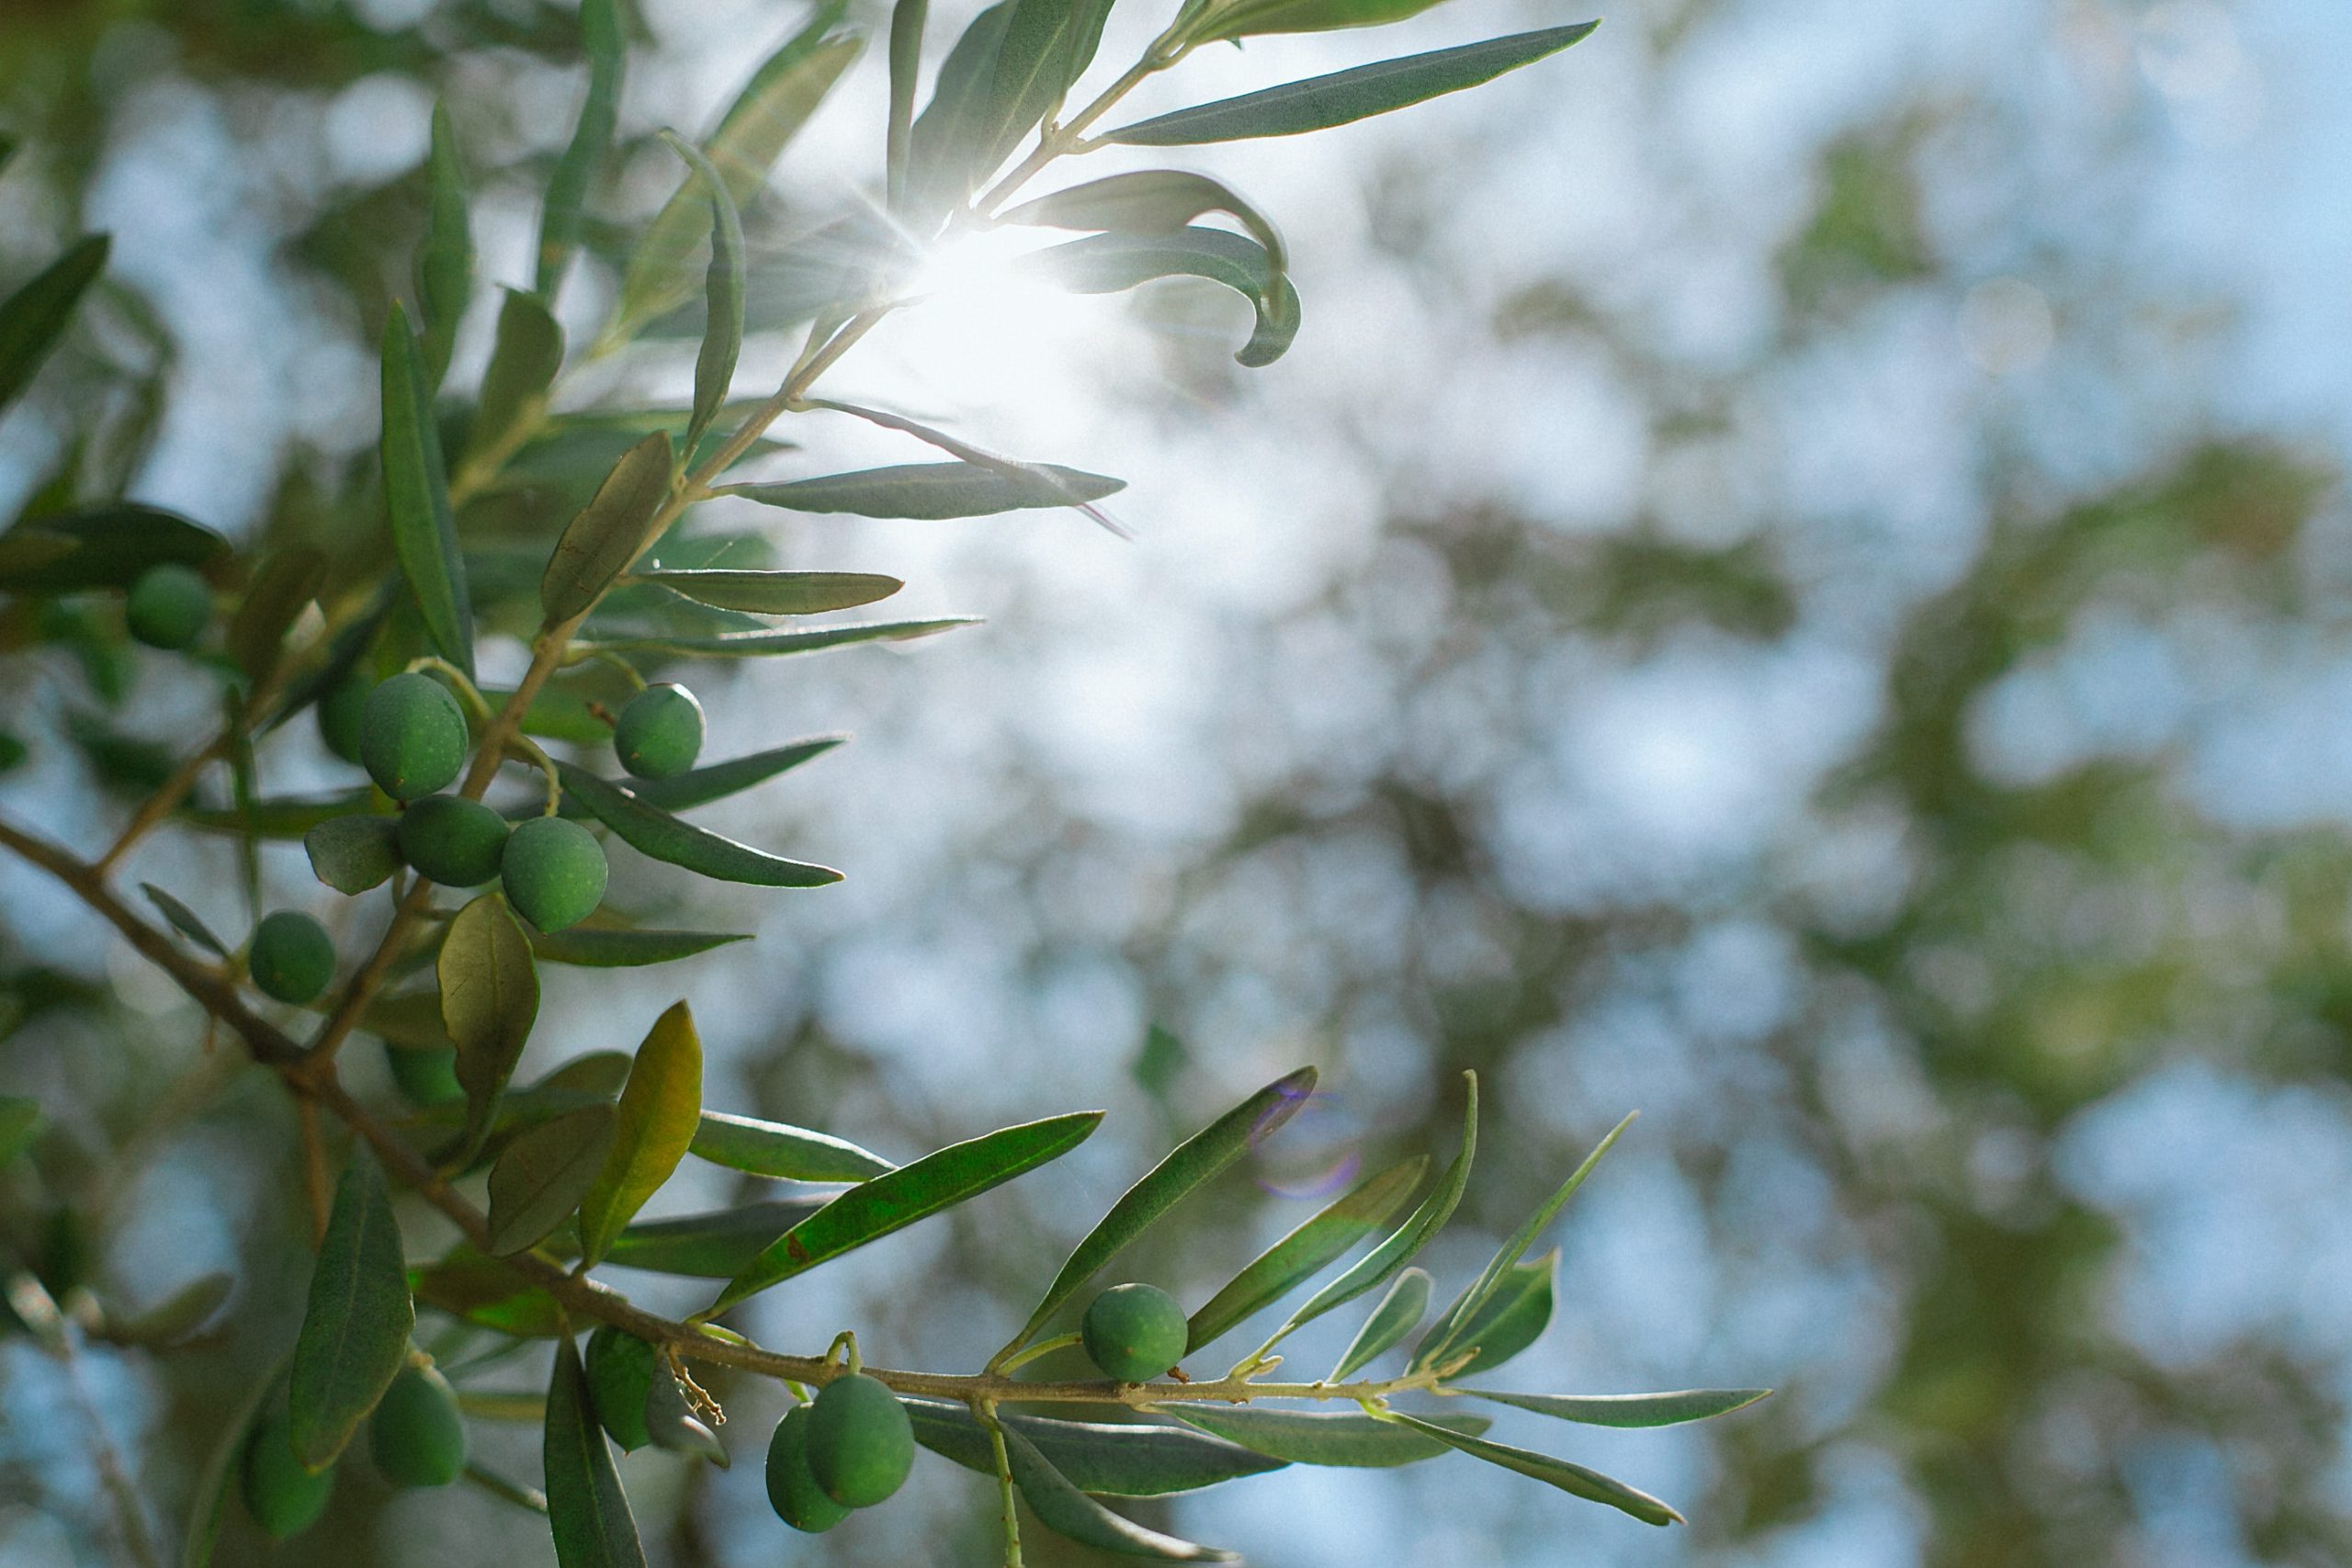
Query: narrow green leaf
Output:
(484,1291)
(1253,18)
(353,854)
(722,333)
(1148,201)
(898,1198)
(750,137)
(1193,1162)
(716,1245)
(660,1108)
(1112,263)
(222,1464)
(281,816)
(590,949)
(611,531)
(1573,1479)
(1321,102)
(777,593)
(1124,1459)
(1444,1335)
(945,158)
(1064,1509)
(542,1176)
(416,490)
(445,265)
(1378,1266)
(177,1316)
(1514,1316)
(185,921)
(907,18)
(720,780)
(1631,1409)
(21,1124)
(1399,1314)
(564,214)
(1302,1254)
(356,1327)
(106,545)
(933,491)
(33,319)
(524,362)
(776,1149)
(766,644)
(587,1511)
(655,833)
(288,580)
(1023,475)
(490,998)
(1326,1438)
(1028,81)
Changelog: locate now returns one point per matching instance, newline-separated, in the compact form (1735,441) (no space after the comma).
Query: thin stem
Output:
(986,1412)
(1069,137)
(61,1335)
(1043,1348)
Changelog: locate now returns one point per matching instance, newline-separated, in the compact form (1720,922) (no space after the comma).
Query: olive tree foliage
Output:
(479,819)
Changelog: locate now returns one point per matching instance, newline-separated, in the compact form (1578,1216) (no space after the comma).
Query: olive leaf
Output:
(774,1149)
(749,138)
(716,1245)
(185,921)
(1514,1318)
(289,578)
(1302,1254)
(208,1502)
(762,645)
(356,1324)
(1148,201)
(722,333)
(524,361)
(444,264)
(563,215)
(776,593)
(1030,75)
(1399,1314)
(34,318)
(599,949)
(907,18)
(933,491)
(587,1511)
(355,852)
(1192,1163)
(475,1288)
(20,1125)
(660,1107)
(541,1177)
(178,1316)
(1125,1459)
(1250,18)
(1573,1479)
(718,780)
(897,1199)
(611,531)
(105,546)
(416,492)
(655,833)
(1321,102)
(945,158)
(1112,263)
(1634,1410)
(1320,1437)
(1061,1508)
(490,998)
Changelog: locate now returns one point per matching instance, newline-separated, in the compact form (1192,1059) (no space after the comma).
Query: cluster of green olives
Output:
(417,1438)
(848,1449)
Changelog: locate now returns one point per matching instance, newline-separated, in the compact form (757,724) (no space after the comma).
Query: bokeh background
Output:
(1796,578)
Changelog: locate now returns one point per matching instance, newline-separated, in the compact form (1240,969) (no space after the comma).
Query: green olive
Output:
(168,606)
(1133,1332)
(452,841)
(554,872)
(412,735)
(425,1076)
(416,1435)
(292,958)
(861,1443)
(342,712)
(284,1498)
(793,1491)
(660,732)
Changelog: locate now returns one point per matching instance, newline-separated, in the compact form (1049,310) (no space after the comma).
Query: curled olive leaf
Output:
(775,1149)
(610,532)
(1573,1479)
(1148,201)
(897,1199)
(660,1107)
(1631,1409)
(1192,1163)
(1321,102)
(1112,263)
(1399,1314)
(490,998)
(356,1324)
(1302,1254)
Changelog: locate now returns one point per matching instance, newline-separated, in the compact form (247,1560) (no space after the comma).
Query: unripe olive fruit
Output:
(284,1498)
(425,1076)
(452,841)
(342,712)
(416,1434)
(412,735)
(292,958)
(168,606)
(660,732)
(861,1443)
(1135,1332)
(793,1491)
(621,1373)
(554,872)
